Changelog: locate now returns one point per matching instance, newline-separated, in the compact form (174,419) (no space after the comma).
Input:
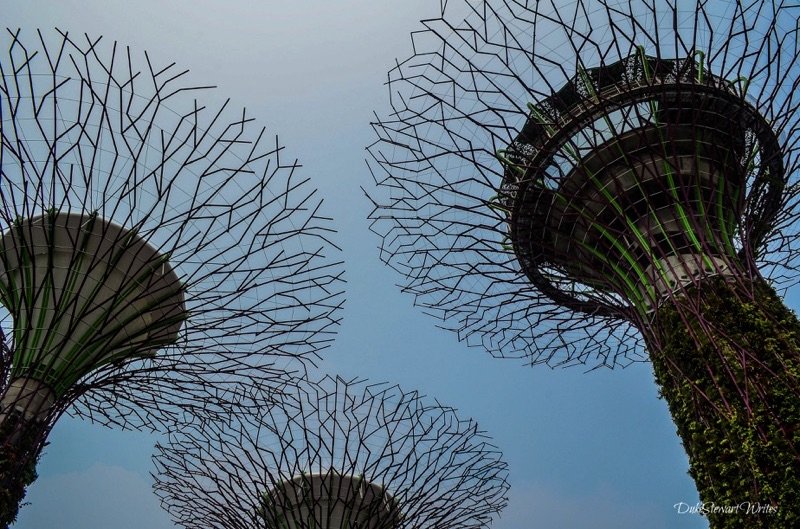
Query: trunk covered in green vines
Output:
(727,359)
(19,450)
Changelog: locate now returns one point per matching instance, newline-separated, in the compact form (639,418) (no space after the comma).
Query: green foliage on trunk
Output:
(19,440)
(727,359)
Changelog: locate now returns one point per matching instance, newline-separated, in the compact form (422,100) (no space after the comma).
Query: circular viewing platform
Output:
(633,180)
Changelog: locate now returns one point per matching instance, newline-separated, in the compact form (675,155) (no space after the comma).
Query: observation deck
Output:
(637,178)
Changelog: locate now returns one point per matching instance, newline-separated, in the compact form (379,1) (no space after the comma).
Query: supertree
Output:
(598,182)
(333,454)
(157,257)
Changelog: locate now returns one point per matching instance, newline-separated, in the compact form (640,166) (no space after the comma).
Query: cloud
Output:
(100,496)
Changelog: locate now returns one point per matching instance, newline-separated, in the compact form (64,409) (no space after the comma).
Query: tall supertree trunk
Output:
(20,447)
(731,380)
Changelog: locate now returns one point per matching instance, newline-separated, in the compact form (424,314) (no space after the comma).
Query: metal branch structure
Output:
(157,256)
(334,454)
(599,182)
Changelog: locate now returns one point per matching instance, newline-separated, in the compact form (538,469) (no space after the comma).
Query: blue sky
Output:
(586,450)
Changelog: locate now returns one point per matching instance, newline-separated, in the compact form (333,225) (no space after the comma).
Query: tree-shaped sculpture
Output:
(572,181)
(156,256)
(334,454)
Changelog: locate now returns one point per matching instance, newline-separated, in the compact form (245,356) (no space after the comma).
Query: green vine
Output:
(727,361)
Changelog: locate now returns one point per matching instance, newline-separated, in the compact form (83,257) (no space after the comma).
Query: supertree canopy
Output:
(157,257)
(333,454)
(599,182)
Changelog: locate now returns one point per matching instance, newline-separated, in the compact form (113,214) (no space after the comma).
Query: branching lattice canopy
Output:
(336,454)
(518,192)
(158,254)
